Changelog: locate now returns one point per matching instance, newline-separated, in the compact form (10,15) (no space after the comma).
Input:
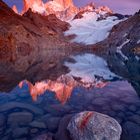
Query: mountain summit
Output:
(63,9)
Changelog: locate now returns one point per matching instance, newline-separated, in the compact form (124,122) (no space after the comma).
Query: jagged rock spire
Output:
(15,9)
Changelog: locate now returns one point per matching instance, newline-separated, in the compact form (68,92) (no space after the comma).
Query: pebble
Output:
(38,124)
(131,128)
(46,136)
(118,107)
(20,118)
(13,105)
(135,118)
(106,107)
(112,113)
(132,108)
(18,132)
(62,133)
(2,120)
(138,112)
(129,113)
(121,115)
(100,101)
(52,123)
(34,130)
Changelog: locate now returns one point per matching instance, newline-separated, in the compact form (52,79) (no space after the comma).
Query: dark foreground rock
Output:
(94,126)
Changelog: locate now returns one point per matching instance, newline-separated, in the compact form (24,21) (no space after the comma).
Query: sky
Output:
(119,6)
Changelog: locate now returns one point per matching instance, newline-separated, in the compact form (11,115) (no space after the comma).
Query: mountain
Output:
(29,43)
(94,22)
(35,5)
(63,9)
(39,38)
(92,25)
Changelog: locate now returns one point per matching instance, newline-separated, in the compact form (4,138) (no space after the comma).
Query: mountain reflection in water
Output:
(62,87)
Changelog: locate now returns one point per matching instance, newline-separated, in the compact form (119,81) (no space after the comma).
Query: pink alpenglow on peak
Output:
(15,9)
(62,87)
(63,9)
(35,5)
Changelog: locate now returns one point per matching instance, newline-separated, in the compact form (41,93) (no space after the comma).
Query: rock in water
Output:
(47,136)
(94,126)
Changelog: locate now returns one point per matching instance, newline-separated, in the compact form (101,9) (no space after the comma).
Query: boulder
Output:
(94,126)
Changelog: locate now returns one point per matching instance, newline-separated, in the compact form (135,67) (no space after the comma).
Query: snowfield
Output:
(88,66)
(89,30)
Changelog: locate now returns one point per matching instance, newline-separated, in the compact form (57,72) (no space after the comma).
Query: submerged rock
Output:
(47,136)
(2,120)
(63,133)
(94,126)
(19,132)
(14,105)
(20,118)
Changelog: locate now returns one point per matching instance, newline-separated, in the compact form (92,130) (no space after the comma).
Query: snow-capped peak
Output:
(35,5)
(89,24)
(92,25)
(15,9)
(63,9)
(89,7)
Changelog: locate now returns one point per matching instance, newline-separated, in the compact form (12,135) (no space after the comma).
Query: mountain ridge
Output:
(63,9)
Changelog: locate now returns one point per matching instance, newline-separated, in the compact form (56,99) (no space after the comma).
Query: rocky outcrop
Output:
(94,126)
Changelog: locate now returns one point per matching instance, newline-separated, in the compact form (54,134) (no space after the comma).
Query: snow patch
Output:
(137,58)
(90,30)
(88,66)
(39,8)
(125,35)
(138,41)
(120,47)
(55,6)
